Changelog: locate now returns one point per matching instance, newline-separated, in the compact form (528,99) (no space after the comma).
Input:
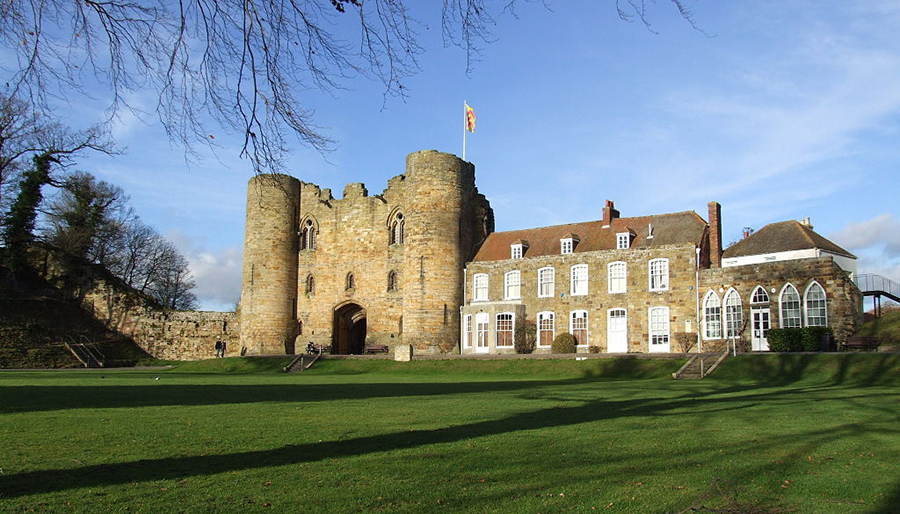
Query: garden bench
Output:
(863,343)
(376,348)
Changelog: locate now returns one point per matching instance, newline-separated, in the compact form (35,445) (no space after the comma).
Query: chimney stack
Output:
(807,223)
(609,214)
(715,235)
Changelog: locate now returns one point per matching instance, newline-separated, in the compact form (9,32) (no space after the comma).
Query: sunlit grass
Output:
(813,432)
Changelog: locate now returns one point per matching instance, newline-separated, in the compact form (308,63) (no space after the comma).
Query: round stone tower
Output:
(438,238)
(269,278)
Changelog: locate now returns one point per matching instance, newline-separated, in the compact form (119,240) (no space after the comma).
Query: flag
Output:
(470,119)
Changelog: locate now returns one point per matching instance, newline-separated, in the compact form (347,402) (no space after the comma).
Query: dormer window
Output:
(567,244)
(623,240)
(516,251)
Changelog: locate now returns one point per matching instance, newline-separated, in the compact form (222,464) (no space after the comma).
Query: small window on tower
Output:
(351,283)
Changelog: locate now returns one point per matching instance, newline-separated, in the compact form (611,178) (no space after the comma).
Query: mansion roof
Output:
(647,232)
(784,236)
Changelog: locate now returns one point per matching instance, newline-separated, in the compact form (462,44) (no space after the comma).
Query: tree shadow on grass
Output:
(46,481)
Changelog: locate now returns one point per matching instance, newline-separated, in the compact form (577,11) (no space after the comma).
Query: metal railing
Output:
(871,284)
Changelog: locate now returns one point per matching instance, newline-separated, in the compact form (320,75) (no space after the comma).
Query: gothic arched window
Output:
(351,283)
(397,226)
(310,285)
(308,235)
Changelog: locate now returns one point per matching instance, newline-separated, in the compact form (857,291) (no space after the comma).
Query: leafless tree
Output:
(242,65)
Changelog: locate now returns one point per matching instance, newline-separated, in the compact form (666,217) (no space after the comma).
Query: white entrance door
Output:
(760,319)
(481,332)
(617,331)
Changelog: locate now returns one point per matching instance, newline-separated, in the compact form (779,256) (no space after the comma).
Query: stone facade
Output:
(843,298)
(504,288)
(636,300)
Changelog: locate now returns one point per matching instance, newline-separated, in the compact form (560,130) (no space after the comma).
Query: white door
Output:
(617,331)
(481,332)
(760,319)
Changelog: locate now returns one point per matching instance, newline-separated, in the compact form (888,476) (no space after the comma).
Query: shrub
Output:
(594,349)
(806,339)
(526,336)
(685,341)
(811,337)
(564,343)
(784,339)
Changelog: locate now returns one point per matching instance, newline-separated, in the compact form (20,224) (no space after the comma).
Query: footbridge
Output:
(877,286)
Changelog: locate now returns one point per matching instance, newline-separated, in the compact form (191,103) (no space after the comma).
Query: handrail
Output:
(870,284)
(93,349)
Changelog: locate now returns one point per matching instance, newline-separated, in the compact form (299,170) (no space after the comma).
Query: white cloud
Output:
(882,231)
(217,273)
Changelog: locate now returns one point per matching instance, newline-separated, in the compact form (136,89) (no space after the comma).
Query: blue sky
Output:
(781,110)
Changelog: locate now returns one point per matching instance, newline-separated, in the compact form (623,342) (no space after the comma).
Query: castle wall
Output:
(169,335)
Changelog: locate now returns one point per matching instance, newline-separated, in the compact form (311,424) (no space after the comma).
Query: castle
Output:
(421,265)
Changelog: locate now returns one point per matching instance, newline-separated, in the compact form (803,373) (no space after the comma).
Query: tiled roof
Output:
(679,227)
(783,236)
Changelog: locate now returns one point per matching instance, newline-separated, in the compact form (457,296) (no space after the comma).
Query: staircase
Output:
(86,352)
(302,362)
(700,365)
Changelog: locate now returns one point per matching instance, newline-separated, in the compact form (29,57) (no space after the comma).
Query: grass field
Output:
(818,434)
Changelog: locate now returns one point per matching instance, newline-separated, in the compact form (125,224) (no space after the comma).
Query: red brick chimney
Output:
(609,214)
(715,235)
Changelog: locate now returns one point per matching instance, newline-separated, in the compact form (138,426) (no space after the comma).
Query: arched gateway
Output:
(349,329)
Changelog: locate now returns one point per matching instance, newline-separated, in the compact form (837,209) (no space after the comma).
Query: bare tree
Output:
(149,263)
(245,65)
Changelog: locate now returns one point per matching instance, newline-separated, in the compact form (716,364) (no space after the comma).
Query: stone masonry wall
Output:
(169,335)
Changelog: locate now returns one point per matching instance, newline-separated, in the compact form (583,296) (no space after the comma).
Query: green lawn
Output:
(819,434)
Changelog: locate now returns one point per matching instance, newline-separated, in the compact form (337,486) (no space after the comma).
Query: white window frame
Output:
(550,318)
(623,240)
(610,279)
(566,246)
(516,251)
(578,280)
(732,314)
(661,273)
(782,318)
(824,307)
(712,316)
(551,283)
(467,330)
(580,314)
(756,298)
(512,285)
(659,327)
(480,291)
(512,330)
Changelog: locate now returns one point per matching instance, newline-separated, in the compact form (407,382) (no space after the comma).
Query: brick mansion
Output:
(421,265)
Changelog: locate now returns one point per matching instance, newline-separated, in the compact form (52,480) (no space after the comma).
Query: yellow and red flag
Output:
(470,119)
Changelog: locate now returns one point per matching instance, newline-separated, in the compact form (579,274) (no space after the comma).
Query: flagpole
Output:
(465,127)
